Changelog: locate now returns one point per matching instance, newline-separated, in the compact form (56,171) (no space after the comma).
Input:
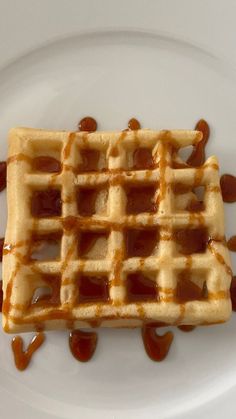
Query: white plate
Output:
(168,64)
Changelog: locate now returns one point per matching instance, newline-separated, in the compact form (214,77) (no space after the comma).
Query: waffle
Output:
(136,243)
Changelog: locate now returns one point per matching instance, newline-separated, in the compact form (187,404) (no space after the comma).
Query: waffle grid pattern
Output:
(21,278)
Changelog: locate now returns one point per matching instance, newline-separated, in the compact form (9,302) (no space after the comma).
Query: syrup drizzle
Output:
(22,358)
(156,346)
(83,344)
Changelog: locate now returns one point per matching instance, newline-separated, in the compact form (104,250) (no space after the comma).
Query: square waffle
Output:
(135,242)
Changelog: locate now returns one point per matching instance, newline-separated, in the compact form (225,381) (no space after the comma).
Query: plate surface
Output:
(167,79)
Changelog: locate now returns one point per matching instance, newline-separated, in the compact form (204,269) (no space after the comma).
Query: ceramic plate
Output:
(168,64)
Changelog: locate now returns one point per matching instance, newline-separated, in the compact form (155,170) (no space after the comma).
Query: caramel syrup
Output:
(134,124)
(46,164)
(90,159)
(197,156)
(231,244)
(88,124)
(233,293)
(93,289)
(156,346)
(88,240)
(228,188)
(140,200)
(140,288)
(191,240)
(195,206)
(46,203)
(143,159)
(22,358)
(86,201)
(186,328)
(83,344)
(187,290)
(1,296)
(141,243)
(3,175)
(1,248)
(54,283)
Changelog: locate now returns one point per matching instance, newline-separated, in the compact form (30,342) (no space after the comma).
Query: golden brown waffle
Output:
(136,243)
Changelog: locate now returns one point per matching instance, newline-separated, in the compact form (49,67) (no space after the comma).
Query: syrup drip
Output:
(197,157)
(228,188)
(233,293)
(88,124)
(22,358)
(3,175)
(134,124)
(1,296)
(231,243)
(186,328)
(156,346)
(83,344)
(1,248)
